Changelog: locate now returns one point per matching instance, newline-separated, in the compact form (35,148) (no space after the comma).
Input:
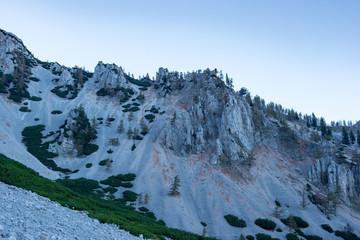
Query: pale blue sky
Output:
(303,54)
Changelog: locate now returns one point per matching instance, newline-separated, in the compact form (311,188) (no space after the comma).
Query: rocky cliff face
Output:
(9,45)
(208,117)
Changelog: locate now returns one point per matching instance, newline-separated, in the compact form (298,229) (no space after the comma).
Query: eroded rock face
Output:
(210,118)
(108,75)
(343,178)
(9,44)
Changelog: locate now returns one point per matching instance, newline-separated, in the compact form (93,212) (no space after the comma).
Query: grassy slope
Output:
(15,173)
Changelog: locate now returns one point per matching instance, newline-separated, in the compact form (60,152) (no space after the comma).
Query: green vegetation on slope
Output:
(32,139)
(106,211)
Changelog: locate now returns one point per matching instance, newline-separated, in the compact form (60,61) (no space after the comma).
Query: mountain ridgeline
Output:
(226,153)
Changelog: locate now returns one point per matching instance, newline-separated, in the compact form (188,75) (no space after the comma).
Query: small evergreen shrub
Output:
(90,148)
(161,222)
(126,177)
(327,227)
(129,196)
(262,236)
(277,203)
(111,181)
(133,147)
(117,181)
(103,162)
(300,233)
(59,92)
(36,119)
(35,79)
(279,230)
(26,103)
(143,209)
(150,116)
(127,185)
(126,106)
(88,165)
(313,237)
(346,235)
(110,151)
(250,237)
(110,190)
(24,109)
(291,236)
(299,222)
(80,185)
(235,221)
(56,112)
(150,215)
(35,99)
(265,224)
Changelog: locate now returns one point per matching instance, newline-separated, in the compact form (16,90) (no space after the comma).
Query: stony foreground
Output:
(26,215)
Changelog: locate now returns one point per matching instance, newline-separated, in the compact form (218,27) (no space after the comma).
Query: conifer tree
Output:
(328,131)
(129,133)
(304,202)
(358,137)
(146,198)
(323,126)
(144,127)
(352,137)
(174,189)
(345,137)
(173,119)
(121,127)
(292,223)
(313,120)
(131,116)
(135,132)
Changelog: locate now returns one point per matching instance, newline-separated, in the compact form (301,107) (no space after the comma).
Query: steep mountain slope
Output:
(232,155)
(26,215)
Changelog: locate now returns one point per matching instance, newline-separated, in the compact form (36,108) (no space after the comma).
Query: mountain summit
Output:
(235,159)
